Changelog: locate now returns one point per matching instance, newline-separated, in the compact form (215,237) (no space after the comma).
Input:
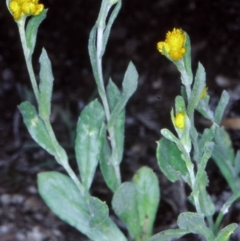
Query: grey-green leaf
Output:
(36,127)
(64,199)
(32,28)
(187,59)
(136,203)
(237,162)
(109,171)
(98,212)
(198,86)
(107,30)
(148,197)
(169,235)
(125,206)
(39,132)
(194,223)
(225,233)
(170,161)
(129,86)
(171,137)
(206,204)
(93,54)
(114,94)
(223,155)
(207,136)
(204,109)
(87,145)
(46,85)
(221,107)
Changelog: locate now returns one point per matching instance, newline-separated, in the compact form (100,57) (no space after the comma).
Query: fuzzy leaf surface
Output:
(46,85)
(148,197)
(170,161)
(124,204)
(194,223)
(64,199)
(32,28)
(87,146)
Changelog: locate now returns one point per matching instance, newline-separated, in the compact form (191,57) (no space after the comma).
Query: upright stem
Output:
(60,155)
(28,57)
(101,90)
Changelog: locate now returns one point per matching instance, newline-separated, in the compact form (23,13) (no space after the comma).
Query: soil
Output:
(214,30)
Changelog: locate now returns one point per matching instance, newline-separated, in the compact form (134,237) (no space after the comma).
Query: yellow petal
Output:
(15,9)
(39,9)
(179,120)
(28,8)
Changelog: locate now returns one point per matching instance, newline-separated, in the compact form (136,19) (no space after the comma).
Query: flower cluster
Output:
(25,7)
(174,44)
(179,120)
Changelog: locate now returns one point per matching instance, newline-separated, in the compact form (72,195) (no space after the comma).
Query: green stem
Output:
(61,156)
(28,57)
(218,222)
(101,87)
(211,223)
(75,179)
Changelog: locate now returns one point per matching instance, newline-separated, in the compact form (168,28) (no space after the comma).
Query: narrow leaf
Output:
(237,162)
(194,223)
(114,94)
(221,107)
(206,204)
(201,174)
(223,155)
(204,109)
(46,85)
(109,171)
(148,197)
(93,53)
(87,145)
(129,86)
(187,59)
(199,84)
(169,235)
(225,233)
(36,127)
(109,24)
(206,137)
(32,28)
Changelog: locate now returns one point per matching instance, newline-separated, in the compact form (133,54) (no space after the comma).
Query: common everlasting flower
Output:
(25,7)
(174,44)
(204,92)
(179,120)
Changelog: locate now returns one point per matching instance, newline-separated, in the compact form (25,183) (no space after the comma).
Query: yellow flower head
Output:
(174,44)
(25,7)
(179,120)
(204,92)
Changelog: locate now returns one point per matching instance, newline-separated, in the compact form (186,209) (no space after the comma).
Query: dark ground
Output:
(214,29)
